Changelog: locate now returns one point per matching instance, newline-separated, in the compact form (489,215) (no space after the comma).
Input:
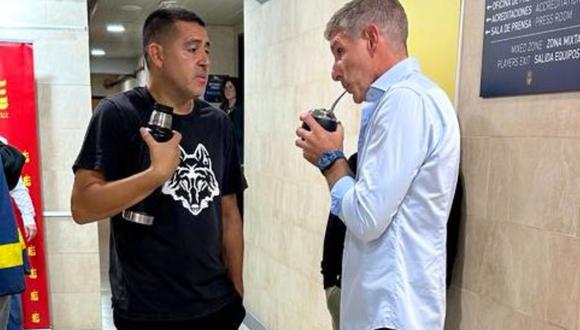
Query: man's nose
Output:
(204,59)
(335,73)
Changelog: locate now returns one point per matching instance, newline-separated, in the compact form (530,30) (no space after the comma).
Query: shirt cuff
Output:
(338,191)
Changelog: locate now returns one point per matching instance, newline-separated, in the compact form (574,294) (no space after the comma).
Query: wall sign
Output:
(212,90)
(530,47)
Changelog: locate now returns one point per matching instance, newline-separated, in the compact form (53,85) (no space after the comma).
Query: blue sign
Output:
(212,89)
(530,47)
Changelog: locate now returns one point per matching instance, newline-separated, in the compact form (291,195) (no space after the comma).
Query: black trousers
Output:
(228,318)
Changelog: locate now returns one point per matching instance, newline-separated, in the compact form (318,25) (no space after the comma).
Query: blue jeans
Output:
(15,320)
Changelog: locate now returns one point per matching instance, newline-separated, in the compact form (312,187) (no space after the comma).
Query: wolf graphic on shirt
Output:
(194,183)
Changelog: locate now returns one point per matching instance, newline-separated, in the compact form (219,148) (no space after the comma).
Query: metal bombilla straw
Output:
(331,111)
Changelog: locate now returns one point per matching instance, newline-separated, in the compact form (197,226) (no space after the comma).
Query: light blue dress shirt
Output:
(396,210)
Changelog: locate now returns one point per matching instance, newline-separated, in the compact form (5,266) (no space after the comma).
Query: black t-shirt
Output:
(172,270)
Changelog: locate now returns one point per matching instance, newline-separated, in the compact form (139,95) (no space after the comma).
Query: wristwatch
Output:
(328,158)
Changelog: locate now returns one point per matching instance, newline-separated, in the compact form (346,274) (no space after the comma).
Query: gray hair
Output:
(354,16)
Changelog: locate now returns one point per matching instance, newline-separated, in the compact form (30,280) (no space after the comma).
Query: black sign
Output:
(530,46)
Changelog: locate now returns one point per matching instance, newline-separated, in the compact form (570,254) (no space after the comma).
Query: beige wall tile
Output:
(473,312)
(471,45)
(63,61)
(475,170)
(526,269)
(538,116)
(563,296)
(56,189)
(74,273)
(578,322)
(521,116)
(63,236)
(475,238)
(76,310)
(59,148)
(63,107)
(223,54)
(510,271)
(316,16)
(534,182)
(284,14)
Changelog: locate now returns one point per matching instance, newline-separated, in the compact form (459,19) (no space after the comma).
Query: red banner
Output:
(18,126)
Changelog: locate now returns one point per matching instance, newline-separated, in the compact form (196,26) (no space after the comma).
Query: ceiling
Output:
(132,14)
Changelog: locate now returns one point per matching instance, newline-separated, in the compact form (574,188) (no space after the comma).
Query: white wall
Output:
(224,52)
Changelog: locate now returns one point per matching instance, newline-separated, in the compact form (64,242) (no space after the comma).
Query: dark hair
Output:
(234,82)
(161,21)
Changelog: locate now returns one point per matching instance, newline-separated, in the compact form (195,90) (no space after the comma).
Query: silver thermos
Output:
(160,127)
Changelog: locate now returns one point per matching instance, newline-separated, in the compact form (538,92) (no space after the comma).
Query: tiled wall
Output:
(519,267)
(520,243)
(223,54)
(287,69)
(58,30)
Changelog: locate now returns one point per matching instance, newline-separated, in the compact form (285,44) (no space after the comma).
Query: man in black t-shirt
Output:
(185,270)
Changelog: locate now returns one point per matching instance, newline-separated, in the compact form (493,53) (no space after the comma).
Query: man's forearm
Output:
(94,199)
(338,170)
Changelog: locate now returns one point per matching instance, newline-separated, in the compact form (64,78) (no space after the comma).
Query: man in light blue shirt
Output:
(396,208)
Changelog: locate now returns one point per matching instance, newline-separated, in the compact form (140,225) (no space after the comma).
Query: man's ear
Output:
(371,34)
(155,54)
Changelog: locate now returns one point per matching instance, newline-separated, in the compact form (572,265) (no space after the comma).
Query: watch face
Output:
(327,159)
(323,160)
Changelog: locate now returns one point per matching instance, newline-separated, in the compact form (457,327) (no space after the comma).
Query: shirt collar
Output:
(390,77)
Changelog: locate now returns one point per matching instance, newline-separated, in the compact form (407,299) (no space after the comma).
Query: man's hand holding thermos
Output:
(164,155)
(162,160)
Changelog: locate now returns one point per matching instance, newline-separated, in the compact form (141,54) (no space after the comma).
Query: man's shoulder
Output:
(213,115)
(130,99)
(132,105)
(207,109)
(419,88)
(426,95)
(417,83)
